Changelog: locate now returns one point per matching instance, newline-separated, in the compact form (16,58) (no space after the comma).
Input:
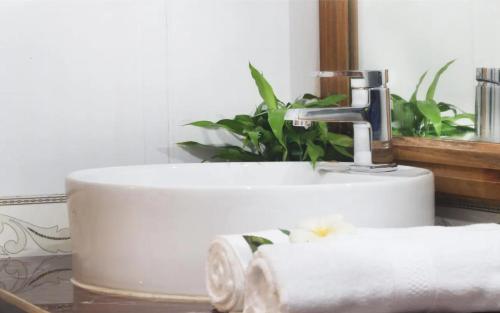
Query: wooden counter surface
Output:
(41,285)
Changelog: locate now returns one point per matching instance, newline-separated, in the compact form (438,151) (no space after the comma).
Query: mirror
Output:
(414,36)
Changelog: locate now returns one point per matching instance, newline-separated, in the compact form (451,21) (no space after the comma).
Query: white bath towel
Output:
(228,259)
(442,269)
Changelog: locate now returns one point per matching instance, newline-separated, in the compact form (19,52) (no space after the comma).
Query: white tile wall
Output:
(209,52)
(92,83)
(411,36)
(82,85)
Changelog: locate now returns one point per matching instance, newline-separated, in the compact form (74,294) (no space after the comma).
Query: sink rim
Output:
(87,177)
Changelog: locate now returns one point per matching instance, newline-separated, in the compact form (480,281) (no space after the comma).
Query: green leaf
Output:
(285,231)
(204,124)
(397,98)
(232,125)
(315,152)
(322,131)
(274,152)
(309,96)
(297,105)
(199,150)
(261,108)
(265,89)
(415,93)
(245,120)
(451,130)
(254,138)
(226,153)
(432,88)
(340,140)
(326,102)
(232,153)
(191,144)
(470,116)
(343,151)
(276,120)
(295,135)
(432,113)
(454,119)
(266,135)
(443,107)
(405,117)
(237,125)
(255,241)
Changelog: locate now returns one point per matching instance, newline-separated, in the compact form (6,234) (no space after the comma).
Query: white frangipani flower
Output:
(316,229)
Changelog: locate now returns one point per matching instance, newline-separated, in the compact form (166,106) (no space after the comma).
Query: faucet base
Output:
(371,168)
(374,168)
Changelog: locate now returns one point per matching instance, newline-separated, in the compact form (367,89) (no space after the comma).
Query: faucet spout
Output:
(370,112)
(343,114)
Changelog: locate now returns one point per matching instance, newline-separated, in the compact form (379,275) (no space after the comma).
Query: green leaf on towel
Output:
(285,231)
(255,241)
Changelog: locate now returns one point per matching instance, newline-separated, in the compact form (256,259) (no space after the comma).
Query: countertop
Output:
(42,285)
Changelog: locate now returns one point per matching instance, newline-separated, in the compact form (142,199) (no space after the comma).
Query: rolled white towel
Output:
(228,259)
(439,269)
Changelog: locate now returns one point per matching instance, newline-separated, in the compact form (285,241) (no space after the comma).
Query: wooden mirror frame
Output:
(467,173)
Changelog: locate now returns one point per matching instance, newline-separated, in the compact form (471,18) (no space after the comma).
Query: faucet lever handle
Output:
(359,79)
(330,74)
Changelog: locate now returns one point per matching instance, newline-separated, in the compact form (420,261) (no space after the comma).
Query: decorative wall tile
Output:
(34,229)
(40,280)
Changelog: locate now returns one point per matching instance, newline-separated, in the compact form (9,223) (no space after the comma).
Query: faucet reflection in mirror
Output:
(370,111)
(488,104)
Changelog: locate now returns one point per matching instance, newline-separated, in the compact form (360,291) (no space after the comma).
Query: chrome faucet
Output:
(488,104)
(369,111)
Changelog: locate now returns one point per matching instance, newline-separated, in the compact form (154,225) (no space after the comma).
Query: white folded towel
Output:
(417,269)
(228,259)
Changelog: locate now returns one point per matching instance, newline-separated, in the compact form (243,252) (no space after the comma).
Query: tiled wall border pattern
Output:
(36,199)
(26,230)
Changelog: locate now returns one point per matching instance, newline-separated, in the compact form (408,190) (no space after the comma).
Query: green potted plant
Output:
(266,136)
(428,117)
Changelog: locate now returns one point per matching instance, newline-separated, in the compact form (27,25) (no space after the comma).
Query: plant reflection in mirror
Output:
(266,136)
(427,117)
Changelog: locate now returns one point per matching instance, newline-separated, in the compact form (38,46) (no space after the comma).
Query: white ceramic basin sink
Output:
(146,229)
